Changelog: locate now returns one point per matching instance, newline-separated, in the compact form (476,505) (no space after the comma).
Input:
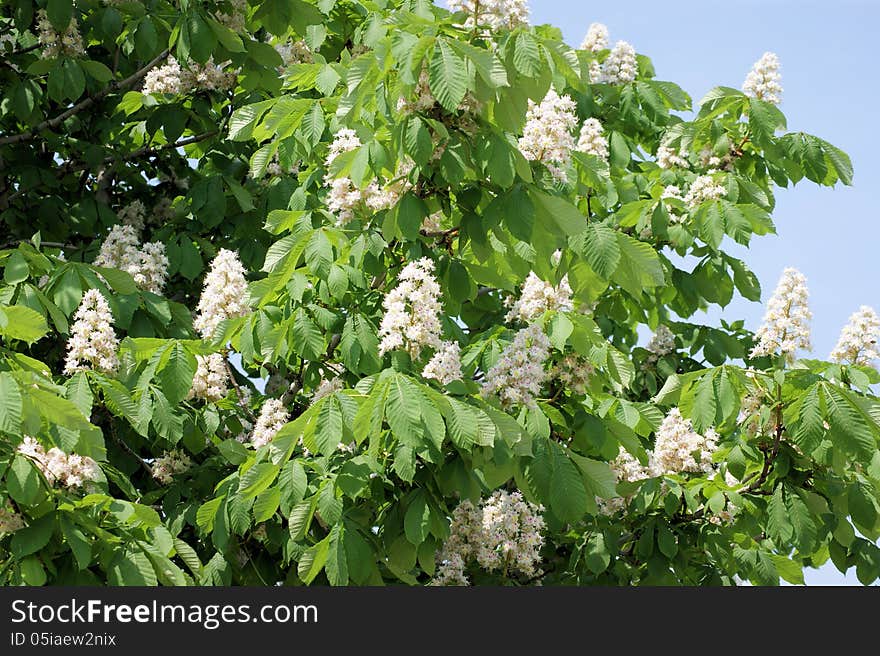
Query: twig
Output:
(241,399)
(85,103)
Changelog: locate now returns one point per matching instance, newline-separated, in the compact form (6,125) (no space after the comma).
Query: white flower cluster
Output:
(621,66)
(712,163)
(294,52)
(225,294)
(445,365)
(412,311)
(7,41)
(167,78)
(786,326)
(69,470)
(93,343)
(679,448)
(235,19)
(519,372)
(327,387)
(596,38)
(662,342)
(591,140)
(273,415)
(547,135)
(172,78)
(498,14)
(674,192)
(53,44)
(668,157)
(10,521)
(538,297)
(503,533)
(628,469)
(147,264)
(209,382)
(134,214)
(344,197)
(858,339)
(750,414)
(169,464)
(763,81)
(574,373)
(703,188)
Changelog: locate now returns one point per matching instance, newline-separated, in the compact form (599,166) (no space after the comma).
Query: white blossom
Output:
(167,78)
(53,44)
(547,135)
(225,294)
(678,448)
(172,78)
(169,464)
(591,140)
(149,269)
(445,365)
(498,14)
(763,81)
(596,38)
(273,415)
(70,470)
(503,533)
(519,372)
(621,66)
(93,343)
(412,310)
(147,264)
(668,157)
(858,339)
(209,382)
(786,326)
(118,249)
(538,296)
(703,188)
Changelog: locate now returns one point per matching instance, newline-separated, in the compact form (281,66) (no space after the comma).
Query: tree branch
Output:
(85,103)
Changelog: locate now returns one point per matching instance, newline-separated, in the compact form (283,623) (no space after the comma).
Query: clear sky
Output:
(830,90)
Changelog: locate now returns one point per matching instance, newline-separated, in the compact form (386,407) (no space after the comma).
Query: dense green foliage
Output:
(79,142)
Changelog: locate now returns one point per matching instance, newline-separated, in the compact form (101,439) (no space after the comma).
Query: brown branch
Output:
(241,398)
(85,103)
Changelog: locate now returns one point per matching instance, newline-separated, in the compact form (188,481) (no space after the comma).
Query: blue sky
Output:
(829,78)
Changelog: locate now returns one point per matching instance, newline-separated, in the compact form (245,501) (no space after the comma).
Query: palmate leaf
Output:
(447,76)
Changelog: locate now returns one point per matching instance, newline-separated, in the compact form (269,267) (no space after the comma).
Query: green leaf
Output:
(558,213)
(177,367)
(600,247)
(313,560)
(526,56)
(266,504)
(447,76)
(803,525)
(639,266)
(33,537)
(23,481)
(417,519)
(257,479)
(20,322)
(778,525)
(16,269)
(10,404)
(337,559)
(568,496)
(862,505)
